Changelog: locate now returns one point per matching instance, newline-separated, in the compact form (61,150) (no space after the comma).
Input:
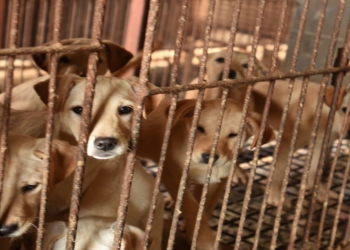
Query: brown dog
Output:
(113,57)
(309,113)
(238,69)
(23,178)
(151,137)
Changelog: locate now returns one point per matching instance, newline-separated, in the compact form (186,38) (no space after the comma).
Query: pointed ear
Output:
(63,160)
(42,60)
(184,109)
(329,96)
(64,85)
(253,125)
(117,56)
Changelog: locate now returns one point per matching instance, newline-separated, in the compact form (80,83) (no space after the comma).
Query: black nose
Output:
(82,74)
(205,158)
(7,230)
(231,75)
(105,144)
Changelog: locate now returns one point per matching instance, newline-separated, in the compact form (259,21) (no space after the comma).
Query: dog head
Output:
(112,112)
(341,108)
(238,67)
(228,135)
(23,180)
(113,57)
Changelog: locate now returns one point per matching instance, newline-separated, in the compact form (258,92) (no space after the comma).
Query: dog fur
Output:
(238,69)
(304,134)
(151,137)
(112,58)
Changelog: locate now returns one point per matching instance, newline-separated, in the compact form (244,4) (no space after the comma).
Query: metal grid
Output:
(247,201)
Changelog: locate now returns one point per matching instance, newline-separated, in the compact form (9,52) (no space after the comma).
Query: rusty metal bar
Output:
(264,119)
(326,140)
(13,32)
(251,62)
(301,104)
(244,81)
(49,125)
(49,49)
(233,32)
(174,73)
(84,129)
(329,123)
(142,91)
(282,125)
(191,139)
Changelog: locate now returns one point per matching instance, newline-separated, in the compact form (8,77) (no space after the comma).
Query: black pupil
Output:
(220,59)
(64,59)
(29,188)
(245,65)
(125,110)
(232,135)
(344,110)
(78,110)
(200,129)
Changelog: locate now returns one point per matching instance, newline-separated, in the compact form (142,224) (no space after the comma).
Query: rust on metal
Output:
(84,128)
(49,125)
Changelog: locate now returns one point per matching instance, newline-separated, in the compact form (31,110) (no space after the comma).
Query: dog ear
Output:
(253,125)
(117,56)
(63,160)
(184,109)
(261,68)
(64,84)
(329,96)
(42,60)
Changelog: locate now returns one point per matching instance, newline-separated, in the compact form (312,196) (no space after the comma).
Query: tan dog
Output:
(238,69)
(151,137)
(309,113)
(113,57)
(23,179)
(109,140)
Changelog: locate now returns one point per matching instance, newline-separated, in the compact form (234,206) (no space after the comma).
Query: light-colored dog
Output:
(109,139)
(22,184)
(238,69)
(304,134)
(151,137)
(112,58)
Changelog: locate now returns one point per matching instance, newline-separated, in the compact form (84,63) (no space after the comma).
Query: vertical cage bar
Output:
(325,145)
(174,73)
(13,32)
(49,124)
(198,108)
(264,118)
(142,92)
(84,129)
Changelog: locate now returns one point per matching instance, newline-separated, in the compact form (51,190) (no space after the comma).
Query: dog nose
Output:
(105,144)
(82,74)
(205,158)
(232,74)
(348,135)
(7,230)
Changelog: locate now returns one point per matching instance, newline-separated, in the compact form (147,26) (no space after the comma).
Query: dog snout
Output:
(7,230)
(106,144)
(231,75)
(205,158)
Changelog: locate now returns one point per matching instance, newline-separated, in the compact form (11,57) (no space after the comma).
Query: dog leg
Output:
(206,237)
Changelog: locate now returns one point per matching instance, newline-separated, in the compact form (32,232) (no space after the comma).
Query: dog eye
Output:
(344,110)
(78,110)
(201,130)
(245,65)
(125,110)
(232,135)
(220,60)
(64,60)
(29,188)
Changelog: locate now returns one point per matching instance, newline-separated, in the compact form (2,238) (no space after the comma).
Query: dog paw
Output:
(321,194)
(240,176)
(274,200)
